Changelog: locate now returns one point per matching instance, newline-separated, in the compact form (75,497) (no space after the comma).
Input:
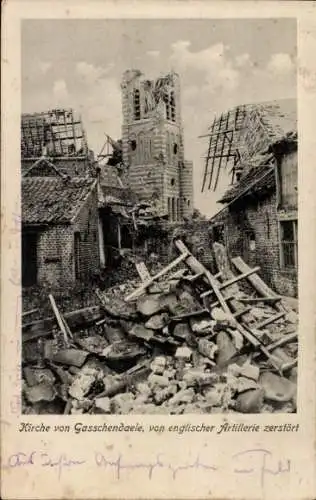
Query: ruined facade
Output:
(259,220)
(152,142)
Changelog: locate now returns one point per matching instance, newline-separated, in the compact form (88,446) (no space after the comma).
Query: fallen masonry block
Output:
(183,353)
(141,332)
(277,388)
(183,396)
(40,392)
(73,357)
(250,401)
(207,348)
(103,405)
(158,365)
(245,384)
(226,348)
(157,322)
(149,305)
(250,371)
(158,380)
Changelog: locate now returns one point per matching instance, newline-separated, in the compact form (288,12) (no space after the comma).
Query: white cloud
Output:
(45,66)
(242,60)
(280,63)
(213,62)
(90,73)
(60,92)
(153,53)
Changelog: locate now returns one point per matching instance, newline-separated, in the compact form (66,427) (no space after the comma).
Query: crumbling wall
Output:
(87,224)
(54,257)
(186,184)
(55,251)
(260,218)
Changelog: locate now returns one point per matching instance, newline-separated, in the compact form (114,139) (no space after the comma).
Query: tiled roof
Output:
(49,200)
(256,179)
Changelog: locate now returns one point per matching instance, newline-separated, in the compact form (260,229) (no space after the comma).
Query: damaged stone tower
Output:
(152,137)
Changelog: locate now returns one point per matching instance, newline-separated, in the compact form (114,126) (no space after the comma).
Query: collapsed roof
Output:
(237,136)
(59,131)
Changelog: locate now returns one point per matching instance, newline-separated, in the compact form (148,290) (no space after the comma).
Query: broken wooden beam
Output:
(78,319)
(253,300)
(270,320)
(288,366)
(216,303)
(139,291)
(197,267)
(258,284)
(232,281)
(188,315)
(242,312)
(60,320)
(28,313)
(292,337)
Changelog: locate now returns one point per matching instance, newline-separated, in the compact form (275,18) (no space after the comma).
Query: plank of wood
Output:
(234,280)
(241,313)
(254,300)
(59,319)
(28,313)
(259,285)
(154,278)
(289,366)
(292,337)
(181,317)
(270,320)
(142,271)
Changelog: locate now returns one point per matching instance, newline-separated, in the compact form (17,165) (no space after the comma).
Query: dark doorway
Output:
(29,259)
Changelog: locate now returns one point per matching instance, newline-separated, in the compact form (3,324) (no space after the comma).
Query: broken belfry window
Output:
(288,244)
(173,107)
(136,105)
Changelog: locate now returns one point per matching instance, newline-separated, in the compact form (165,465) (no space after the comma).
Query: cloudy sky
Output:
(222,63)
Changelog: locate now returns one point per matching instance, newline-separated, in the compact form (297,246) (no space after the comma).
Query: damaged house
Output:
(259,220)
(58,134)
(59,227)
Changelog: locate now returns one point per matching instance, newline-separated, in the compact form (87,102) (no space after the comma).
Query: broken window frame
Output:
(291,245)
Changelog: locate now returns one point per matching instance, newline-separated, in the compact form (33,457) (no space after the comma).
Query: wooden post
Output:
(161,273)
(119,238)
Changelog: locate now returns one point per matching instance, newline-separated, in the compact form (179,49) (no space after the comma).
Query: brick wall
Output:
(258,218)
(54,257)
(186,179)
(87,224)
(55,251)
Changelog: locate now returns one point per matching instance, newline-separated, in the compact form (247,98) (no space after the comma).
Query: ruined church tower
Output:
(152,139)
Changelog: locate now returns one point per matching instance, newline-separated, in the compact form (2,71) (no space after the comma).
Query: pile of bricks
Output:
(157,347)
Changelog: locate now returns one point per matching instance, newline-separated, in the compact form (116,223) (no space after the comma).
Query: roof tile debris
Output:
(255,180)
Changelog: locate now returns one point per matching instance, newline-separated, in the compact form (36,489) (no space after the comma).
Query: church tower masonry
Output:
(152,140)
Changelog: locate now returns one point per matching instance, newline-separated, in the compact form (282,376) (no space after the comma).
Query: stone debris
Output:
(169,351)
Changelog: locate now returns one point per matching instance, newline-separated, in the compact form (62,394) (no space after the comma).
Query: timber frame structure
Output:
(223,138)
(59,131)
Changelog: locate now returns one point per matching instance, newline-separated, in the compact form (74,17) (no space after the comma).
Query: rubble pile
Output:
(166,346)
